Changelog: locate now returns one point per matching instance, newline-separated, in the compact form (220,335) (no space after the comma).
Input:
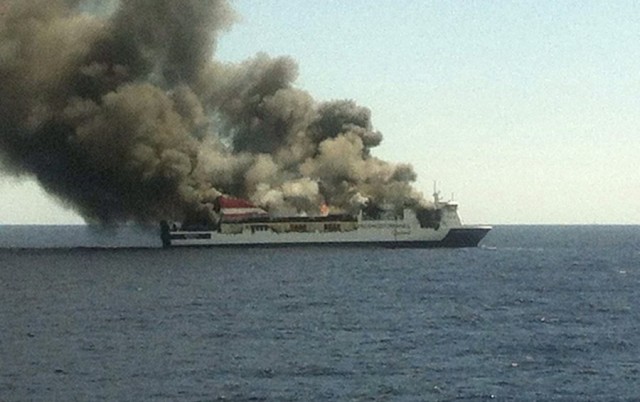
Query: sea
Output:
(535,313)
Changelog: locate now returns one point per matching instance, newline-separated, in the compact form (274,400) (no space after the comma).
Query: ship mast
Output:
(436,193)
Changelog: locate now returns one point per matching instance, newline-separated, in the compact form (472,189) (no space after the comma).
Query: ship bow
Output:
(465,236)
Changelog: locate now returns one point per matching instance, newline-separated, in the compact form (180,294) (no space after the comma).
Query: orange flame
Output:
(324,209)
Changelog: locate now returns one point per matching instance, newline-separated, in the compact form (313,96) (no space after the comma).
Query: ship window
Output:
(259,228)
(297,227)
(191,236)
(332,227)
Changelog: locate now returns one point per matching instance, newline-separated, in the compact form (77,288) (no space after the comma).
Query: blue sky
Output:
(527,111)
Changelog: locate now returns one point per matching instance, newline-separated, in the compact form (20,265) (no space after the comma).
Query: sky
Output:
(523,112)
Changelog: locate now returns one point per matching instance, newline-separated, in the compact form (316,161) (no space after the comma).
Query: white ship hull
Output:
(325,231)
(465,236)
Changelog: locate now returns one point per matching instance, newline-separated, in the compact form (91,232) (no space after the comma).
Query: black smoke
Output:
(124,113)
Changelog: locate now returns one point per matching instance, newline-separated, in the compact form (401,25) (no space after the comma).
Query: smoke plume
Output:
(124,113)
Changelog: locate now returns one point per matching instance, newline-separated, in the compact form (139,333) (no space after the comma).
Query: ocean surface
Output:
(535,313)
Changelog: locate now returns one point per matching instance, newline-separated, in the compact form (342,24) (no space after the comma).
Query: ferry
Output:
(242,224)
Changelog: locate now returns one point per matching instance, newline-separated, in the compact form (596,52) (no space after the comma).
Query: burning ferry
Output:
(243,224)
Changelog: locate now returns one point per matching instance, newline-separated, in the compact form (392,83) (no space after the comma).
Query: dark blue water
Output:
(536,313)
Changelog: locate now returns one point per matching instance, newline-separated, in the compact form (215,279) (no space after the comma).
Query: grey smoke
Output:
(121,110)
